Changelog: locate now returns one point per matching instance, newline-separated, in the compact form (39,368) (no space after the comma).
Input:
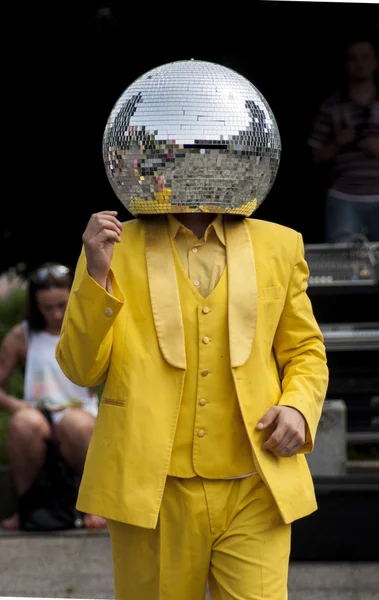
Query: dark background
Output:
(65,67)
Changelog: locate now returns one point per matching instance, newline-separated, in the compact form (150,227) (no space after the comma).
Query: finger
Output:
(275,438)
(107,212)
(101,218)
(100,225)
(290,449)
(268,418)
(110,236)
(110,223)
(106,235)
(285,442)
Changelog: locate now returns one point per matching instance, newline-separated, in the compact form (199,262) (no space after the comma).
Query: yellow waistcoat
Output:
(210,417)
(134,341)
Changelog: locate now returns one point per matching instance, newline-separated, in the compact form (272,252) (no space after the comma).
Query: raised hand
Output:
(102,232)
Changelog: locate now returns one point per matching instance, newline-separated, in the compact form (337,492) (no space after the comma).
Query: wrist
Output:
(100,279)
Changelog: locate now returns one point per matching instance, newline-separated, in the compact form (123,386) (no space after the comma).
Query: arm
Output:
(300,351)
(325,154)
(12,353)
(84,348)
(85,344)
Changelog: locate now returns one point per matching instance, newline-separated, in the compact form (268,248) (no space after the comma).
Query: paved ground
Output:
(79,565)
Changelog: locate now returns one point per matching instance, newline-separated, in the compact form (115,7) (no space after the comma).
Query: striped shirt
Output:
(354,175)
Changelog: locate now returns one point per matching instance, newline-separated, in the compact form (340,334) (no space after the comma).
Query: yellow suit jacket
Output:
(133,340)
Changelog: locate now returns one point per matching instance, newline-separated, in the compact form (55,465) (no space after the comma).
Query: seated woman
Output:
(53,408)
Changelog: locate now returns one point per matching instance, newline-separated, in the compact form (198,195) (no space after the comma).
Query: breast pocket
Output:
(270,293)
(270,306)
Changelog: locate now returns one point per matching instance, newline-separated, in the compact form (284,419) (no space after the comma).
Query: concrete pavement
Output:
(78,565)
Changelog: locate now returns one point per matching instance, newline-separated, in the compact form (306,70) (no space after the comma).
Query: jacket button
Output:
(206,310)
(108,312)
(206,340)
(202,402)
(201,433)
(205,372)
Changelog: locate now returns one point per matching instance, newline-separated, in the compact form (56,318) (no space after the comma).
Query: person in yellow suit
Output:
(214,370)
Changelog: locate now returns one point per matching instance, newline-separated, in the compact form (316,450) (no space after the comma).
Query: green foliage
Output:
(99,390)
(12,310)
(4,418)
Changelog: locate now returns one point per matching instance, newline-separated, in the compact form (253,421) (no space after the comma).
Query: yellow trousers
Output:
(227,532)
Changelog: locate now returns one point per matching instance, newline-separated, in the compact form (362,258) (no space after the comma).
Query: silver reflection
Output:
(191,136)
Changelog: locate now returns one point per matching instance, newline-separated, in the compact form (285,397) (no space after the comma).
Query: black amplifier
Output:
(343,264)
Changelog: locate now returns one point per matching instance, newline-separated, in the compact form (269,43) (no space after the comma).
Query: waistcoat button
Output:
(205,372)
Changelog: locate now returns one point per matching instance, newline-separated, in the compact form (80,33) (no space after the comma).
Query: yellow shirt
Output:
(204,260)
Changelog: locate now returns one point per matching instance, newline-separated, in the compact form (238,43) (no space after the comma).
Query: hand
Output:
(15,405)
(102,232)
(370,145)
(344,135)
(289,433)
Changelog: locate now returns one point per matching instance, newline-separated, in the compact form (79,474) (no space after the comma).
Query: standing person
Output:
(48,394)
(345,139)
(214,367)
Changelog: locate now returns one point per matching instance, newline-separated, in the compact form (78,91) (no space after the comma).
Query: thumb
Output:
(268,418)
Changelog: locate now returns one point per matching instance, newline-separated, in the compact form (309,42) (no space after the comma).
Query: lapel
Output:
(164,292)
(242,291)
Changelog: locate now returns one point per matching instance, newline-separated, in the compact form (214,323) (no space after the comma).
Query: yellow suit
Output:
(134,341)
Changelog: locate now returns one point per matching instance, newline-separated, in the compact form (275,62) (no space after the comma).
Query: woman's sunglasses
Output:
(56,271)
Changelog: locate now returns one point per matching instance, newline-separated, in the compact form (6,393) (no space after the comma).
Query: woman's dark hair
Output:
(48,275)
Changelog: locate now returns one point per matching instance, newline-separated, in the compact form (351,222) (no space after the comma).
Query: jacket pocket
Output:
(270,293)
(120,403)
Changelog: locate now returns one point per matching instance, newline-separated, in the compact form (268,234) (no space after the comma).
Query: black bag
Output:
(49,505)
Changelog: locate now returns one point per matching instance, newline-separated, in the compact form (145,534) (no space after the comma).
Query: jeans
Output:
(346,218)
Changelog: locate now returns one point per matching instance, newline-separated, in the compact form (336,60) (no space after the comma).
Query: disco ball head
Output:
(191,136)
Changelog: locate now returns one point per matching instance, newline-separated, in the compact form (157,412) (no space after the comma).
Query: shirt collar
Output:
(217,225)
